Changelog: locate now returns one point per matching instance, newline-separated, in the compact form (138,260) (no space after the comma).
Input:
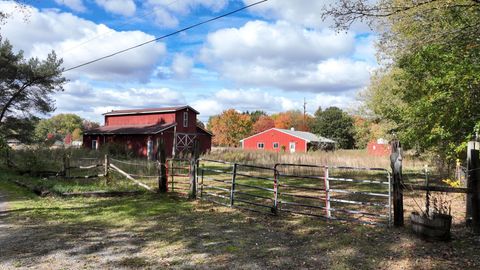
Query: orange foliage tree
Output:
(229,128)
(295,119)
(263,123)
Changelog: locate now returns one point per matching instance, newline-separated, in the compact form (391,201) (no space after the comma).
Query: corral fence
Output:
(178,172)
(329,192)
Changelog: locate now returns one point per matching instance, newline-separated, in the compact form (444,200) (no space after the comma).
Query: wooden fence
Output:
(472,190)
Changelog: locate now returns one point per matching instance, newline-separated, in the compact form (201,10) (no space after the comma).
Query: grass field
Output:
(165,231)
(355,158)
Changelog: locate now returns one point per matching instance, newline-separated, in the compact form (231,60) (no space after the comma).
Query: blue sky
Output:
(267,58)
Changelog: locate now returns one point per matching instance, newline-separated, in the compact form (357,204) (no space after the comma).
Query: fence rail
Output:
(303,189)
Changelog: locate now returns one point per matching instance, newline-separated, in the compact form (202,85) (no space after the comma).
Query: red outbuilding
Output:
(283,140)
(140,131)
(379,147)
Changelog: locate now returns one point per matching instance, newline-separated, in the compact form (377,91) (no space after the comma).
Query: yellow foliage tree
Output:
(229,128)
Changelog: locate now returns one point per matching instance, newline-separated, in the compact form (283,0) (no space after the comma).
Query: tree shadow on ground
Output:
(167,232)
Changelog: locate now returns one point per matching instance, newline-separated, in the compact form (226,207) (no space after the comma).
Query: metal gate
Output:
(301,189)
(215,181)
(242,186)
(178,174)
(332,192)
(329,192)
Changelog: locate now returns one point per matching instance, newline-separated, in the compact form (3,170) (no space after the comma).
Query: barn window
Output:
(275,145)
(94,145)
(260,145)
(185,119)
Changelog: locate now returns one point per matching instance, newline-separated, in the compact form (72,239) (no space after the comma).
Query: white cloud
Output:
(324,100)
(286,56)
(90,102)
(164,18)
(182,66)
(243,100)
(166,12)
(277,43)
(77,41)
(76,5)
(306,13)
(120,7)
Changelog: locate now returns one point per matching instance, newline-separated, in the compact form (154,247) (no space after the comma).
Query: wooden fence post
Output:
(232,189)
(7,157)
(105,165)
(193,169)
(66,166)
(396,165)
(473,186)
(162,167)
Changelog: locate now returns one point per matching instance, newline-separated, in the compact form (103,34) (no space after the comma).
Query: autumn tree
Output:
(87,124)
(77,134)
(59,125)
(366,130)
(291,119)
(229,128)
(263,123)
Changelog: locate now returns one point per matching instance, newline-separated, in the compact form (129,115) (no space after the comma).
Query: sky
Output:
(270,57)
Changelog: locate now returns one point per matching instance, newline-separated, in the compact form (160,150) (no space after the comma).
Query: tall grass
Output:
(353,158)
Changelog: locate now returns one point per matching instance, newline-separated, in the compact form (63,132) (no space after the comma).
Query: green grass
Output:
(164,231)
(106,211)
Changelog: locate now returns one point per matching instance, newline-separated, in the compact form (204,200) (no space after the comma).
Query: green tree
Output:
(428,90)
(59,125)
(335,124)
(255,115)
(26,85)
(20,128)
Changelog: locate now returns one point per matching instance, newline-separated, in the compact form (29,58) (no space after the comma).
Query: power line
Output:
(165,36)
(112,31)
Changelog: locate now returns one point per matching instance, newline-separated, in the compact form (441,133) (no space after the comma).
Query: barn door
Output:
(292,147)
(184,142)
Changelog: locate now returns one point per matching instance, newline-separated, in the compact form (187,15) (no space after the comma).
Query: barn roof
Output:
(307,136)
(204,130)
(129,129)
(150,110)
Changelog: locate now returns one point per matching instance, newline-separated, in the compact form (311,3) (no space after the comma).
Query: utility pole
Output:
(304,114)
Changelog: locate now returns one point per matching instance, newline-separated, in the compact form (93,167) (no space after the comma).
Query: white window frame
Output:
(94,142)
(185,119)
(262,144)
(275,143)
(294,148)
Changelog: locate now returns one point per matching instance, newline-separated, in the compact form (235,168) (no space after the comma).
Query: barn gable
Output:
(140,130)
(277,140)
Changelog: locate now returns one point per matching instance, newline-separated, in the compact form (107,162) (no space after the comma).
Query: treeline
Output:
(348,131)
(60,127)
(427,91)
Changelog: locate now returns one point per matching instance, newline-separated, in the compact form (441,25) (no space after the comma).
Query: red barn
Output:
(276,139)
(378,147)
(140,131)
